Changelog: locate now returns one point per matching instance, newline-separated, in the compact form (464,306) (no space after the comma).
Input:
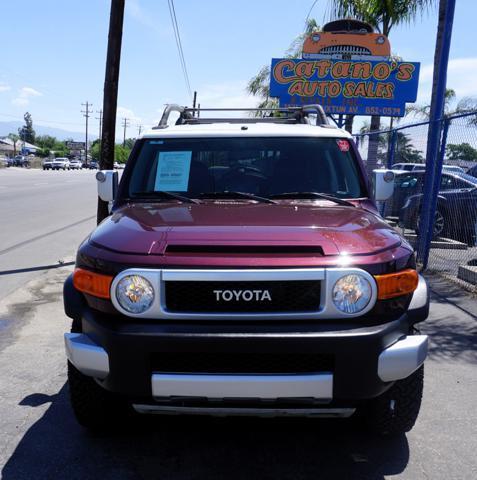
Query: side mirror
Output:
(107,184)
(383,184)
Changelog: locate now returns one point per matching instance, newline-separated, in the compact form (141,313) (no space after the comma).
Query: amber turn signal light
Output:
(396,284)
(93,283)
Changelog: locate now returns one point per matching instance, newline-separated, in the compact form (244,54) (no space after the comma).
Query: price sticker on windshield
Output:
(343,145)
(173,171)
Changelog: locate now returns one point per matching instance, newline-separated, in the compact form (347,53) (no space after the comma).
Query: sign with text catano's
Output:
(345,86)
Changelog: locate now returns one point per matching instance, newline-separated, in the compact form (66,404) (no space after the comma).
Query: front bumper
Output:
(122,354)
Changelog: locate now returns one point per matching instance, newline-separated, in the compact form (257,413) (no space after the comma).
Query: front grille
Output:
(203,297)
(241,363)
(345,50)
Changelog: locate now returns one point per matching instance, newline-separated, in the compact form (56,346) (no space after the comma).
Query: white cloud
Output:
(148,18)
(226,95)
(20,102)
(460,77)
(24,95)
(4,87)
(123,112)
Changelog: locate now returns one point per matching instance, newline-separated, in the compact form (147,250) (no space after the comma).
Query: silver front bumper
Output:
(402,358)
(264,387)
(89,358)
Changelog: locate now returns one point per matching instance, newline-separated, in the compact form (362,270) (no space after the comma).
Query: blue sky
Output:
(56,49)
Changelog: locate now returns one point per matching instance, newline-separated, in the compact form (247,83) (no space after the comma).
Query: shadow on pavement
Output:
(195,448)
(455,339)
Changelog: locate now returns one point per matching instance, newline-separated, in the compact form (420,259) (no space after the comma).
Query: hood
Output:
(150,228)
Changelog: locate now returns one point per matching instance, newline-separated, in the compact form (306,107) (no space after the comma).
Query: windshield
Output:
(195,167)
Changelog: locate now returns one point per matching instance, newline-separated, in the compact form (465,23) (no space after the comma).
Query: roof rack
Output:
(288,115)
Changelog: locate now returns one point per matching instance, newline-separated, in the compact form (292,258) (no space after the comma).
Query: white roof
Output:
(246,130)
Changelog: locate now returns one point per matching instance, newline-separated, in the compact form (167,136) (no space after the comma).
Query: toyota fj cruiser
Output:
(245,270)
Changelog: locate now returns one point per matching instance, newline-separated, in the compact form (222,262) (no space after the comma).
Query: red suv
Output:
(245,270)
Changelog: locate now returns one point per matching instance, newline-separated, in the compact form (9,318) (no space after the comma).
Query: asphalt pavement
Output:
(40,439)
(44,217)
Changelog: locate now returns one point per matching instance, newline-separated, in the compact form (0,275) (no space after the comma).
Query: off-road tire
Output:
(94,407)
(381,418)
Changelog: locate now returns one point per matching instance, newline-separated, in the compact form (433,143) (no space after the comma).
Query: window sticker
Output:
(343,145)
(173,171)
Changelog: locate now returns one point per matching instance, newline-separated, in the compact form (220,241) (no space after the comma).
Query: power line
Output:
(175,27)
(309,12)
(86,113)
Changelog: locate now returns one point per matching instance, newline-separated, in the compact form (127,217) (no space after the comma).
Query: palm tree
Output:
(259,85)
(383,15)
(423,111)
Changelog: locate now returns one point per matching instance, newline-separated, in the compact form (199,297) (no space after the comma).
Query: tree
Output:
(14,137)
(27,134)
(465,105)
(259,85)
(383,15)
(121,154)
(461,151)
(45,141)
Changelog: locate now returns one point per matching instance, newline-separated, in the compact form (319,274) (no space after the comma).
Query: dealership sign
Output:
(345,86)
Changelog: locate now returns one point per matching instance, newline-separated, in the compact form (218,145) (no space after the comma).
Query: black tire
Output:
(94,407)
(395,412)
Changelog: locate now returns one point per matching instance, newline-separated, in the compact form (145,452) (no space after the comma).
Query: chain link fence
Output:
(452,250)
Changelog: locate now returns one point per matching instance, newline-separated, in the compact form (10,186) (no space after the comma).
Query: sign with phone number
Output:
(346,86)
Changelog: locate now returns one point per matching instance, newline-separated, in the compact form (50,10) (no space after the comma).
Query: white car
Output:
(75,165)
(60,163)
(47,164)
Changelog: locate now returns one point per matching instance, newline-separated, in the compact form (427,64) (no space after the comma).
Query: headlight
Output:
(316,37)
(380,40)
(134,293)
(351,293)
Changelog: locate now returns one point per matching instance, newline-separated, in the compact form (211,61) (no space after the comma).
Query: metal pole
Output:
(435,191)
(87,105)
(194,102)
(100,118)
(392,148)
(433,159)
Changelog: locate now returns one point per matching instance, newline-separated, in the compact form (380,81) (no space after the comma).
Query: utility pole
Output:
(100,118)
(125,125)
(86,113)
(110,96)
(139,130)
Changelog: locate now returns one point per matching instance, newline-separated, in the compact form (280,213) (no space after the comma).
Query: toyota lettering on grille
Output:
(245,295)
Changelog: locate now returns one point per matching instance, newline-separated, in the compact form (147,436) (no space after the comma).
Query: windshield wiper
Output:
(232,194)
(163,194)
(323,196)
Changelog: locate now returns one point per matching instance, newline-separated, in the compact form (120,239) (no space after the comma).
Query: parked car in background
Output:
(411,167)
(456,213)
(60,163)
(472,171)
(21,161)
(76,164)
(47,164)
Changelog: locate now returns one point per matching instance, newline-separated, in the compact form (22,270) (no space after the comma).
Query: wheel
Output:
(94,407)
(395,411)
(439,224)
